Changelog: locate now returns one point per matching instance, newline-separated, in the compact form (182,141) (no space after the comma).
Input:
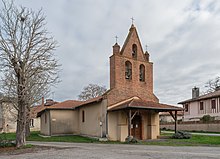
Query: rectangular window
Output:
(213,104)
(32,123)
(201,106)
(83,116)
(186,108)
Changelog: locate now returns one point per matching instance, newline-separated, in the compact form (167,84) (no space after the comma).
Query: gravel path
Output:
(117,151)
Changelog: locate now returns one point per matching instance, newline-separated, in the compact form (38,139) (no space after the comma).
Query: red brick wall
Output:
(122,88)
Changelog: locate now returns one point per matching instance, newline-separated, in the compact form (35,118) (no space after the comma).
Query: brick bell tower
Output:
(131,73)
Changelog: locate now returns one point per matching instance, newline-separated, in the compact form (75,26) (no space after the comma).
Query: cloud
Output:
(183,39)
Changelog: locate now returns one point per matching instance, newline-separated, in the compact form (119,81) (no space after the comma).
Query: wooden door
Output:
(136,127)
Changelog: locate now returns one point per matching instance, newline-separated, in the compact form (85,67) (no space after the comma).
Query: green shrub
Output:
(207,119)
(131,139)
(181,135)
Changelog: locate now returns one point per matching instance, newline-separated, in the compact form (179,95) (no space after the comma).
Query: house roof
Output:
(35,110)
(202,97)
(69,105)
(179,113)
(137,103)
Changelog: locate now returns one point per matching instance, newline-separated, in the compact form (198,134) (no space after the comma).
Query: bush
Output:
(207,119)
(131,139)
(181,135)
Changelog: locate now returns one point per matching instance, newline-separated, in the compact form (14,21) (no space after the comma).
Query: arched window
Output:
(128,70)
(142,73)
(134,51)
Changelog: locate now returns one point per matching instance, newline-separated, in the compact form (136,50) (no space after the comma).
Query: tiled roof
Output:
(202,97)
(137,103)
(65,105)
(35,110)
(69,104)
(93,100)
(179,113)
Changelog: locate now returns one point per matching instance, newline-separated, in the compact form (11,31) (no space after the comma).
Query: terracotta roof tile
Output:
(70,104)
(202,97)
(35,110)
(137,103)
(179,113)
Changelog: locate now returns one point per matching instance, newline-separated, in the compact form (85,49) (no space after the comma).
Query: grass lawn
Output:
(196,140)
(68,138)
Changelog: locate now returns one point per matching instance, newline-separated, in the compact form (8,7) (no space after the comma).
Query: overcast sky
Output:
(183,39)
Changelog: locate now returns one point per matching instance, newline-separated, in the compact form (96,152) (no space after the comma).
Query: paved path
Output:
(117,151)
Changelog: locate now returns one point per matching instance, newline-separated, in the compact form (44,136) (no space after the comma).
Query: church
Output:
(128,109)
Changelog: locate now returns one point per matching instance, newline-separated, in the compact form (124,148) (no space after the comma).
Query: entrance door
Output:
(136,127)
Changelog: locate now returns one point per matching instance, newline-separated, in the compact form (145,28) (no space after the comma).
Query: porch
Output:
(137,118)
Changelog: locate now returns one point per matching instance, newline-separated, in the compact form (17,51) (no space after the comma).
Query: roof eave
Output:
(149,108)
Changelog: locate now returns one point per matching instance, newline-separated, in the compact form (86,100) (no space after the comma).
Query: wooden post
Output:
(129,123)
(175,121)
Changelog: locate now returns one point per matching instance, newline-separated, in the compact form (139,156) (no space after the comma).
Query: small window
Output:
(83,116)
(134,51)
(32,123)
(128,70)
(201,106)
(142,73)
(213,104)
(186,108)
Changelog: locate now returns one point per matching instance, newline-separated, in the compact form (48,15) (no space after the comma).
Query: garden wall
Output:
(193,126)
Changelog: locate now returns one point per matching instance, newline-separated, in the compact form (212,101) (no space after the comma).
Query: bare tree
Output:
(91,91)
(26,60)
(212,85)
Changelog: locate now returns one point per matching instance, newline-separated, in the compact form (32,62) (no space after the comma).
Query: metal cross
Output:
(146,47)
(132,20)
(116,38)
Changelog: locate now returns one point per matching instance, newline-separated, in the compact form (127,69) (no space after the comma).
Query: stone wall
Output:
(194,126)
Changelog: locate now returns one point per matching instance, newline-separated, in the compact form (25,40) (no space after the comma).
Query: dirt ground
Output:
(63,150)
(17,151)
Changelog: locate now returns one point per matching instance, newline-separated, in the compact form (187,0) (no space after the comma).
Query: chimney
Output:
(195,92)
(42,101)
(217,88)
(49,102)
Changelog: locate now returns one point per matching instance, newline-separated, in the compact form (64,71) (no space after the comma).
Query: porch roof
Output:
(137,103)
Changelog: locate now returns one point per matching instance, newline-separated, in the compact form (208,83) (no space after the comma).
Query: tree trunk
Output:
(28,132)
(21,127)
(22,113)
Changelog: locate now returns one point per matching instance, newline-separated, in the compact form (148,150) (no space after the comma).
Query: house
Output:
(165,117)
(34,120)
(8,115)
(198,106)
(128,108)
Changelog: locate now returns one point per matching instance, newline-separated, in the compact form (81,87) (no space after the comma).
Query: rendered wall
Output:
(118,125)
(95,119)
(64,122)
(36,126)
(45,123)
(195,112)
(113,126)
(8,117)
